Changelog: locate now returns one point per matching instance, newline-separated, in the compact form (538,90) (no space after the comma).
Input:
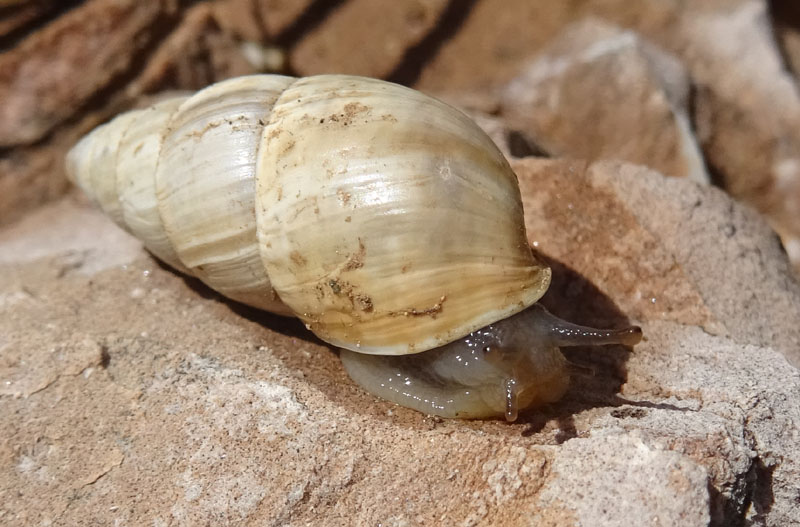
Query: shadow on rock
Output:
(597,373)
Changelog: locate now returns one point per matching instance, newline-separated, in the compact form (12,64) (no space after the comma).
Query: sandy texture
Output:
(133,395)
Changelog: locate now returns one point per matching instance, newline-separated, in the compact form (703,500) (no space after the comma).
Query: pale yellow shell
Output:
(385,219)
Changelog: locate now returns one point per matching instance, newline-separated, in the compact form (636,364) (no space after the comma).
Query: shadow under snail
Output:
(383,218)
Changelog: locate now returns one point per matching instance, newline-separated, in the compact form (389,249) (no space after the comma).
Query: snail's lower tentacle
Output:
(512,400)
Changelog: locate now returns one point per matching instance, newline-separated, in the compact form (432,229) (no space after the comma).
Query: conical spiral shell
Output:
(386,220)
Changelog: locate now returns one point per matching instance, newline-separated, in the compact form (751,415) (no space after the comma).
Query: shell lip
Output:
(532,295)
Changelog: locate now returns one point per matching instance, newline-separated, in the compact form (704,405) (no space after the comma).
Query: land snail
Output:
(384,219)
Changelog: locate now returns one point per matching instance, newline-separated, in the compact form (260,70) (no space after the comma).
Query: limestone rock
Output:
(88,65)
(120,378)
(748,111)
(197,53)
(49,86)
(31,176)
(54,72)
(600,92)
(18,14)
(388,30)
(268,20)
(640,479)
(664,250)
(499,36)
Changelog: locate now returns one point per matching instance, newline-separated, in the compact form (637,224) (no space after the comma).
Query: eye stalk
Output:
(498,370)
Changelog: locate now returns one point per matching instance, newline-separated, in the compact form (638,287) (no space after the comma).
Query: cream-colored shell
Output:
(385,219)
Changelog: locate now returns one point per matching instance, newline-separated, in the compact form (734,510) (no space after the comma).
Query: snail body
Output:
(384,219)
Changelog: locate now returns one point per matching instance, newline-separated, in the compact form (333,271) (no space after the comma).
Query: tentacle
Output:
(512,400)
(563,333)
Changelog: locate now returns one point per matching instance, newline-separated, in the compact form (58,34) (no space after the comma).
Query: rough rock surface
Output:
(194,55)
(600,92)
(669,251)
(389,30)
(35,98)
(133,395)
(19,14)
(748,111)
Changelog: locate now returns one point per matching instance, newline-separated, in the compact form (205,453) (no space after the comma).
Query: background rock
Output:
(748,112)
(388,31)
(196,53)
(19,15)
(35,98)
(599,92)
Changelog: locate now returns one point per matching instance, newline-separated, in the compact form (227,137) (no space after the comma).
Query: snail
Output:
(384,219)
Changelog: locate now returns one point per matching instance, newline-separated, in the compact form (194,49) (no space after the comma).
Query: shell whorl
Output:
(386,220)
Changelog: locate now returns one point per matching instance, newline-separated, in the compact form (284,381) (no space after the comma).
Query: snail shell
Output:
(384,219)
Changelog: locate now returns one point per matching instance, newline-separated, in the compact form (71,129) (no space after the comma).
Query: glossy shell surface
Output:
(383,218)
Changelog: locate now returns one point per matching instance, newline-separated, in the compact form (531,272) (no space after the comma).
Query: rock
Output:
(60,82)
(43,234)
(88,65)
(642,480)
(19,14)
(197,53)
(600,92)
(31,176)
(268,20)
(724,287)
(388,30)
(747,111)
(120,377)
(498,36)
(52,74)
(664,250)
